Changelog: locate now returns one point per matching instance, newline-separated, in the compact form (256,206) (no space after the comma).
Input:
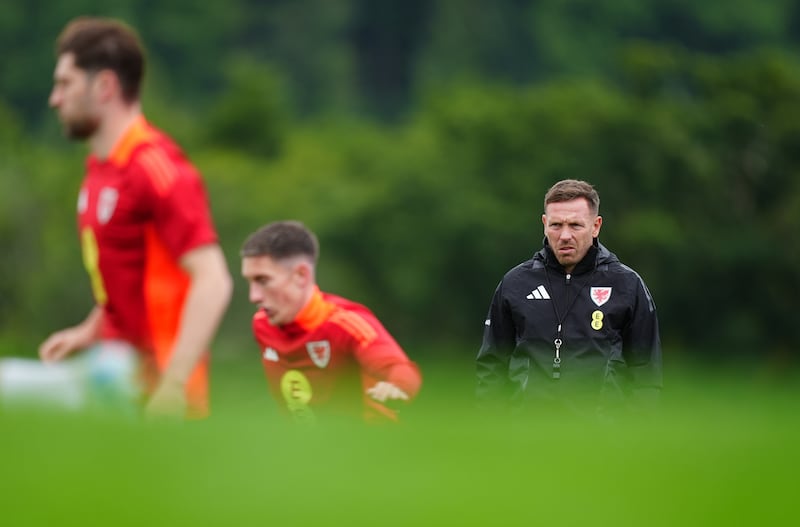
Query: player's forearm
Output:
(205,305)
(66,341)
(491,375)
(91,324)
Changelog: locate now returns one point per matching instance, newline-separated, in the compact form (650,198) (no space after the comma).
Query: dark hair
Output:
(569,189)
(281,240)
(105,43)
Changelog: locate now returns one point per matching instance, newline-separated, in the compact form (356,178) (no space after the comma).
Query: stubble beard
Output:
(566,262)
(81,129)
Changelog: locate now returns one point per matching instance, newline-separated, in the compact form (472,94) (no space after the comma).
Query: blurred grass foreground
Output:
(720,452)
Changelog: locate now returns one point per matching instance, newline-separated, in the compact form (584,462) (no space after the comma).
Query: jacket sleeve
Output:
(499,339)
(642,348)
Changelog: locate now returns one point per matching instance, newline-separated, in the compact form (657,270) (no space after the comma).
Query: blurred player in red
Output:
(160,280)
(323,355)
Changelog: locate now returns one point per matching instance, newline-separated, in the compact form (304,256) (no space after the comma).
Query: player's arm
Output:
(206,301)
(64,342)
(642,349)
(400,377)
(401,381)
(382,358)
(491,364)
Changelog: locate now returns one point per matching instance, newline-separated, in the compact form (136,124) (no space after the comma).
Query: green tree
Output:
(252,113)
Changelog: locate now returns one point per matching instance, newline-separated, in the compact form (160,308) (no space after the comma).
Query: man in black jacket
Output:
(572,328)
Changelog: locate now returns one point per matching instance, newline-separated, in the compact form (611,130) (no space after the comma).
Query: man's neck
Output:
(112,128)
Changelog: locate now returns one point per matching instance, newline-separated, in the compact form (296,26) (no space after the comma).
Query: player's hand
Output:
(168,401)
(62,343)
(386,391)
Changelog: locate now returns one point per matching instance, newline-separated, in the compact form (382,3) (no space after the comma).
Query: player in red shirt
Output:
(322,354)
(159,277)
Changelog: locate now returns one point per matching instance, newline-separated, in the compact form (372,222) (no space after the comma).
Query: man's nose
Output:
(55,98)
(255,294)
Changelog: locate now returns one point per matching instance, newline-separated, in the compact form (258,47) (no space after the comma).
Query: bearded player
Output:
(159,278)
(323,355)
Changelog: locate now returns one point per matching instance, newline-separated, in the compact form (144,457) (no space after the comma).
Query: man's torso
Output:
(131,238)
(313,370)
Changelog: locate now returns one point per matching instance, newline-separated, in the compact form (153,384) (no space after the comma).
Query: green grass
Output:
(721,452)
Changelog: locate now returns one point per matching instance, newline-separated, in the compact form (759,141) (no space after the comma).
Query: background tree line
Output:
(417,139)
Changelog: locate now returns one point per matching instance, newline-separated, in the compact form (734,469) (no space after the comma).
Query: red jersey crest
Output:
(320,352)
(106,203)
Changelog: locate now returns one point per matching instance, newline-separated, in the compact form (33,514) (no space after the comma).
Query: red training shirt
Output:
(323,361)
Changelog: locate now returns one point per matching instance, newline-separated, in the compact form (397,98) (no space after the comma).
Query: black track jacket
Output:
(610,353)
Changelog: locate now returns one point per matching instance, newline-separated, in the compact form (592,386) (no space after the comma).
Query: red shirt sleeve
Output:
(180,208)
(379,355)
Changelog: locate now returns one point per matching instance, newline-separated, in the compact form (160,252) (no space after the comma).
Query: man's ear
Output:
(304,273)
(598,222)
(106,85)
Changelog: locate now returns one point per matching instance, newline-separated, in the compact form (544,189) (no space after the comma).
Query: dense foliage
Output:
(418,138)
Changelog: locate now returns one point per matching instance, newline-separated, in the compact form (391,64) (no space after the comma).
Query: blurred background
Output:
(417,138)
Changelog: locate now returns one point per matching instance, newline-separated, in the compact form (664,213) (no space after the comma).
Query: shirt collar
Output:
(137,133)
(315,312)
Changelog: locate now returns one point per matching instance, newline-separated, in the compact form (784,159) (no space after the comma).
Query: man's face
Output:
(73,98)
(570,227)
(277,287)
